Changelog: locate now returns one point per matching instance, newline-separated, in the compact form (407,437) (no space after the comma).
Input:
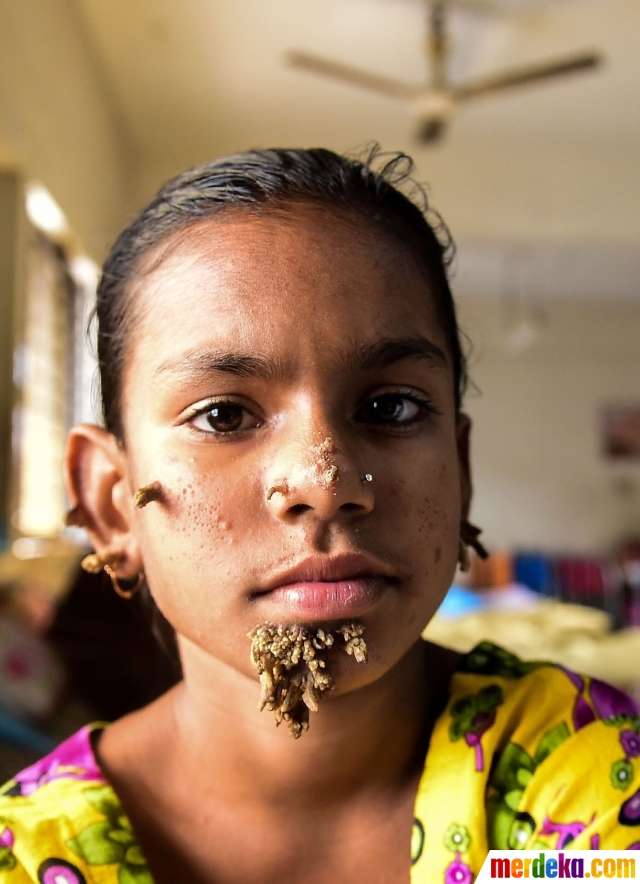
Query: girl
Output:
(284,464)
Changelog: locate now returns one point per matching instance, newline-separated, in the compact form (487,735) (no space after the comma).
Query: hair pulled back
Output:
(259,181)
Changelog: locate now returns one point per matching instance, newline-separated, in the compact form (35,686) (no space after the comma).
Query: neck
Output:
(373,738)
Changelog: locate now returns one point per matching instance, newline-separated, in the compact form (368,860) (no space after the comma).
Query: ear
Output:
(97,481)
(463,432)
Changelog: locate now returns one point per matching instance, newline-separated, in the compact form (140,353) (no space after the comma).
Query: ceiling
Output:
(548,167)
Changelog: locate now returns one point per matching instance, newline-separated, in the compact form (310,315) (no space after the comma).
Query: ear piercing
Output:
(469,535)
(96,562)
(366,478)
(147,494)
(125,590)
(104,561)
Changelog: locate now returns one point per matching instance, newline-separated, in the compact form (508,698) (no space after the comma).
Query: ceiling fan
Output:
(436,100)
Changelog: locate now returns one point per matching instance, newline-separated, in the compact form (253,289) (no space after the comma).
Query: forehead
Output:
(249,281)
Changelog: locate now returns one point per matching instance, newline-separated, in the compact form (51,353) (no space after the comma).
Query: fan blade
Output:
(437,44)
(354,76)
(523,76)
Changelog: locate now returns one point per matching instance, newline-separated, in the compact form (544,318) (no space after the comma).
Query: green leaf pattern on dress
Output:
(488,659)
(457,839)
(111,842)
(508,829)
(7,857)
(472,716)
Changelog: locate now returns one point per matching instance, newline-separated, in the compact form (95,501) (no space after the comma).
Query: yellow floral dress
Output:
(524,756)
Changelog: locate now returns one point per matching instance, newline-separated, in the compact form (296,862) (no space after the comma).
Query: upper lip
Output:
(326,569)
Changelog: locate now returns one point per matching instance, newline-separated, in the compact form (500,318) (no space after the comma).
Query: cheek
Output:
(194,544)
(423,512)
(425,495)
(438,509)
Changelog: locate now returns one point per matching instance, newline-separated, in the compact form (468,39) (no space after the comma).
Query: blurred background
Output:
(523,117)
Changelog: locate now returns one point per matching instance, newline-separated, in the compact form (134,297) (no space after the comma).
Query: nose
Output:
(318,479)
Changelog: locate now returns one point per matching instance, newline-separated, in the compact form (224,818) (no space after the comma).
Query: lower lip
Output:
(329,600)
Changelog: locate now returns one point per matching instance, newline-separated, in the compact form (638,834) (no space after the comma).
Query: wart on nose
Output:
(329,472)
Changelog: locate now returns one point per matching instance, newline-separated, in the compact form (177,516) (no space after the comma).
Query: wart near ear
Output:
(292,663)
(147,494)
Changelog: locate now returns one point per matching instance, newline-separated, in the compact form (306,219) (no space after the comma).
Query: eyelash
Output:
(207,407)
(426,410)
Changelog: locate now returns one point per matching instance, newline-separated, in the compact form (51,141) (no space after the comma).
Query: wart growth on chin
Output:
(292,662)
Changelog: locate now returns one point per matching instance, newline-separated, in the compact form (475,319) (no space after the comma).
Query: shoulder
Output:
(528,695)
(60,821)
(526,755)
(564,765)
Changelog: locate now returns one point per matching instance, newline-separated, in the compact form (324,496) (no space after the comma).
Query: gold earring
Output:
(469,536)
(104,561)
(96,562)
(125,592)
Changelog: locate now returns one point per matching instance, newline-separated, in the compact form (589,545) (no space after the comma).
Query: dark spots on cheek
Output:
(427,515)
(437,554)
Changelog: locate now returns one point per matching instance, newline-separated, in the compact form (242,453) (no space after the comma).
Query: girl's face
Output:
(276,361)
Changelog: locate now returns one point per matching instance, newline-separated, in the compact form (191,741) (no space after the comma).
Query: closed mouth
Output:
(326,588)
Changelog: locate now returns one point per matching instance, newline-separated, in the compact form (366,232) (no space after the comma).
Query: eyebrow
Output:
(387,351)
(205,362)
(367,357)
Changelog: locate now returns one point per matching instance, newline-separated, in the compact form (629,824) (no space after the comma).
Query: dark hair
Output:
(259,181)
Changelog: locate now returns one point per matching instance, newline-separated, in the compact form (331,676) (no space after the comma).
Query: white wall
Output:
(57,118)
(540,480)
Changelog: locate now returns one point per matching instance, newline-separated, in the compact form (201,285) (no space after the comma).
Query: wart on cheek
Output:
(147,494)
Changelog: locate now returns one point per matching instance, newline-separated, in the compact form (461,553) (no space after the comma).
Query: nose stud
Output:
(324,471)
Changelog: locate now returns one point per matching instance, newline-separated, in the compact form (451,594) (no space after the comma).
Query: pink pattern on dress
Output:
(566,832)
(74,759)
(458,872)
(481,722)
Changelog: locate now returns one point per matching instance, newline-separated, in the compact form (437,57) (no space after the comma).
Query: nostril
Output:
(299,508)
(351,507)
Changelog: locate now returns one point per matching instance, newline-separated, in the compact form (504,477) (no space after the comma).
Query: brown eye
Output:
(393,409)
(224,417)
